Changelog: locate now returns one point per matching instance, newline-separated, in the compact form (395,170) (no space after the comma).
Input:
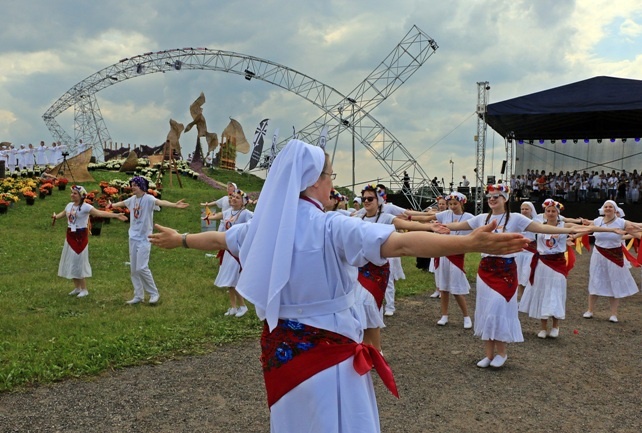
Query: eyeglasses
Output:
(333,176)
(368,199)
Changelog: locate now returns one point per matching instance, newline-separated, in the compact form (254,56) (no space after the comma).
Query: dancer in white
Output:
(608,275)
(74,261)
(141,210)
(496,318)
(449,270)
(316,370)
(41,155)
(372,279)
(230,269)
(524,258)
(545,293)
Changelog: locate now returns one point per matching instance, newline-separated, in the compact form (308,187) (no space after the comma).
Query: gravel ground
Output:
(587,381)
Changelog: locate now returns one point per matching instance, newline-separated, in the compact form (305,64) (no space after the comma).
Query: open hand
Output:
(165,237)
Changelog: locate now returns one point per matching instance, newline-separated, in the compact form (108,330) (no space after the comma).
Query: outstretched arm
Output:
(169,238)
(179,204)
(431,245)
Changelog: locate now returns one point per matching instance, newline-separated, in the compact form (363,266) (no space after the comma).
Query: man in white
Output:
(12,158)
(52,154)
(21,157)
(41,155)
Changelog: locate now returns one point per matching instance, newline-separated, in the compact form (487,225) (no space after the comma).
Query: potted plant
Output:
(61,183)
(30,197)
(96,225)
(42,192)
(4,206)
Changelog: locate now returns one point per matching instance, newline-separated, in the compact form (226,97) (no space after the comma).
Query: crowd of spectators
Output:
(578,186)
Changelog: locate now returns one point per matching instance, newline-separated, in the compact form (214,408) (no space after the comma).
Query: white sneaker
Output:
(442,321)
(230,312)
(555,332)
(613,319)
(468,323)
(389,313)
(498,361)
(241,311)
(74,292)
(83,293)
(437,294)
(588,315)
(541,334)
(134,301)
(483,363)
(154,299)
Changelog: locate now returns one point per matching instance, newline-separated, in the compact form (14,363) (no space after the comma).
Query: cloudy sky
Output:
(519,46)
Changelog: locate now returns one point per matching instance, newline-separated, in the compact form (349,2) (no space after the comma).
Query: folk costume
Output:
(228,273)
(525,257)
(74,261)
(609,273)
(449,270)
(496,315)
(315,369)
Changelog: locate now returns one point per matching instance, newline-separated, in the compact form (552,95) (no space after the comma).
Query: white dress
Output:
(345,401)
(75,264)
(228,273)
(605,277)
(495,317)
(547,296)
(523,260)
(451,278)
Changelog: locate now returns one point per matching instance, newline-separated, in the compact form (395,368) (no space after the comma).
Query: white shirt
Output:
(141,216)
(517,223)
(77,217)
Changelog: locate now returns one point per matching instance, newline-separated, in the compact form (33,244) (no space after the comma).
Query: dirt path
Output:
(584,382)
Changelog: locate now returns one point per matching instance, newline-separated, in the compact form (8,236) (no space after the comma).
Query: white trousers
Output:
(142,278)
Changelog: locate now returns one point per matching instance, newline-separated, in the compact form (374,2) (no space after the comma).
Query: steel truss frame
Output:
(410,54)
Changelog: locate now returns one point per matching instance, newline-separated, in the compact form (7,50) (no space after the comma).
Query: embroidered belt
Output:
(375,280)
(556,262)
(294,352)
(500,274)
(613,254)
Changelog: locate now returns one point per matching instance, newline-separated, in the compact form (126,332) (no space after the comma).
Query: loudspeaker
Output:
(503,167)
(2,174)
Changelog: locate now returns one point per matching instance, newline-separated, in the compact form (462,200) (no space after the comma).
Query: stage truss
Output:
(341,112)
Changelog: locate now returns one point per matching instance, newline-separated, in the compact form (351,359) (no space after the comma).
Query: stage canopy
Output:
(597,108)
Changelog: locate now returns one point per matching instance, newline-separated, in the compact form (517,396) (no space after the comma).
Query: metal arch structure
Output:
(399,65)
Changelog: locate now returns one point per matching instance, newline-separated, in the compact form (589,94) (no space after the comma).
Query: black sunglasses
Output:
(368,198)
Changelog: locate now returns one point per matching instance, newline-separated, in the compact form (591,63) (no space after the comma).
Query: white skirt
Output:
(496,319)
(335,400)
(546,298)
(451,278)
(396,270)
(370,315)
(608,279)
(523,261)
(228,273)
(72,265)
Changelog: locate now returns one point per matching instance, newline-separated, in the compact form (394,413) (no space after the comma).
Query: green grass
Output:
(46,335)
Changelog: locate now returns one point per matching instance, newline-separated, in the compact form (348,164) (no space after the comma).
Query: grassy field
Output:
(46,335)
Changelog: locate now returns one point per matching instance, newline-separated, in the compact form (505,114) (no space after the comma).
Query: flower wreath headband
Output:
(80,190)
(550,202)
(379,193)
(457,196)
(243,195)
(498,188)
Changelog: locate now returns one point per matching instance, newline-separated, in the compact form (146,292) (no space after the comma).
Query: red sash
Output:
(500,274)
(78,240)
(375,280)
(556,262)
(532,247)
(294,352)
(458,260)
(613,254)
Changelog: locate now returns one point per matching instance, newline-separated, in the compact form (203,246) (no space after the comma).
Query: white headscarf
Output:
(532,206)
(618,211)
(268,246)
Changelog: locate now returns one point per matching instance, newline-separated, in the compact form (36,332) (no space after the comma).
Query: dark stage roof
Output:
(600,107)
